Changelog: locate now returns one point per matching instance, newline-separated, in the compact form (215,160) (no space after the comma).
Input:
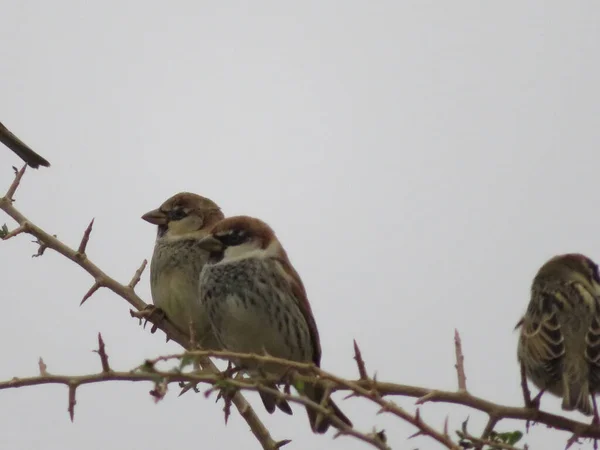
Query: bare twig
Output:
(127,293)
(460,363)
(102,353)
(15,184)
(137,276)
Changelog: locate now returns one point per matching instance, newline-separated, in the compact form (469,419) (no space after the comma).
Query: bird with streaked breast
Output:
(182,221)
(559,343)
(256,303)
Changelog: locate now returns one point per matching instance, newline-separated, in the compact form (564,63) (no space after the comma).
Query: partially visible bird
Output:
(21,149)
(182,221)
(257,303)
(559,344)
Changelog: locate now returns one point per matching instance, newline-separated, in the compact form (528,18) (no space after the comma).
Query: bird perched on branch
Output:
(256,303)
(182,221)
(21,149)
(559,344)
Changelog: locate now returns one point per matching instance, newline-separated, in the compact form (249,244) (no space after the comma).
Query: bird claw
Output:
(152,314)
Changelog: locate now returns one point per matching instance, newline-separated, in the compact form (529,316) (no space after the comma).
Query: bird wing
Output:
(541,334)
(299,294)
(592,350)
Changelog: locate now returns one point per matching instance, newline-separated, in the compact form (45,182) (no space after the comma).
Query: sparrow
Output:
(256,302)
(559,342)
(182,221)
(21,149)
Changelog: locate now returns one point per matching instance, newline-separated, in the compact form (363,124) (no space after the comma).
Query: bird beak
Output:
(156,217)
(211,244)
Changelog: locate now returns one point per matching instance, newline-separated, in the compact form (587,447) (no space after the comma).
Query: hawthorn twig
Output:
(126,292)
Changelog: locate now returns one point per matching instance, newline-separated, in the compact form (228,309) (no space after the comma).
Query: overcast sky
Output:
(418,160)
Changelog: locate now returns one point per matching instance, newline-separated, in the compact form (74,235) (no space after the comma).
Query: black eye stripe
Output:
(177,214)
(233,237)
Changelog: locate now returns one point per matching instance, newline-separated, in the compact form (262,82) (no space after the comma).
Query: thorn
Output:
(282,443)
(572,440)
(425,398)
(43,367)
(464,425)
(360,362)
(72,401)
(91,292)
(84,241)
(417,434)
(137,276)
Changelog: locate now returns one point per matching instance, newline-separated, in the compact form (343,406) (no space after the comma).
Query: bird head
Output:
(184,215)
(571,268)
(242,237)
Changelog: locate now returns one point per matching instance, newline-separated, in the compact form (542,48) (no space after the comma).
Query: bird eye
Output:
(177,214)
(236,237)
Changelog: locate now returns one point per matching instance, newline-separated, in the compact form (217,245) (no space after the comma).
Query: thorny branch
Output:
(101,279)
(365,386)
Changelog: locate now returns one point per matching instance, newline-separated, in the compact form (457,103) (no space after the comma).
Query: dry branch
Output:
(368,388)
(46,240)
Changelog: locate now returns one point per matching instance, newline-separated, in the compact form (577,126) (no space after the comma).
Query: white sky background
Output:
(418,160)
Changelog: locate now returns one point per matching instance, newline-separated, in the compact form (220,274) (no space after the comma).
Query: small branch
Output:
(15,184)
(137,276)
(84,241)
(102,353)
(15,232)
(128,294)
(460,363)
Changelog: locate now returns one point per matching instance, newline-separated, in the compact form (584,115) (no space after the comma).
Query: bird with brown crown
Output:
(256,302)
(182,222)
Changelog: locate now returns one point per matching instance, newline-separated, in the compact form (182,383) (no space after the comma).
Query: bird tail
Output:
(272,401)
(21,149)
(577,396)
(319,423)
